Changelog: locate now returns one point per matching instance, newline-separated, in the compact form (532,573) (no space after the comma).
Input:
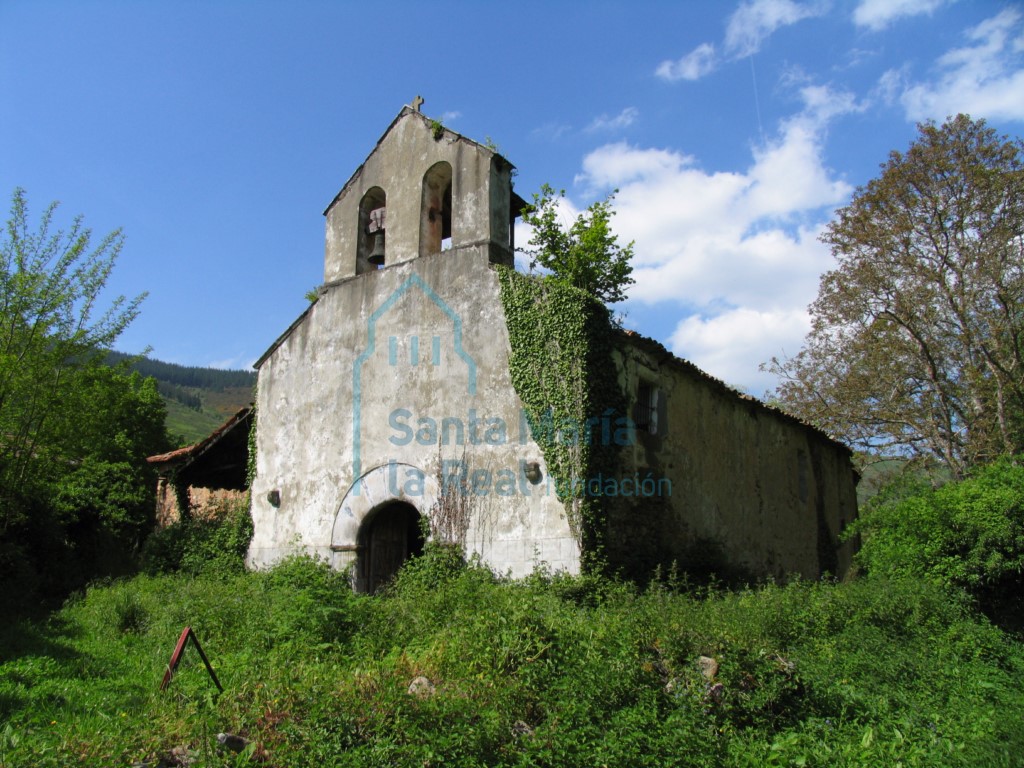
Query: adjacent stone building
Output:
(203,478)
(400,397)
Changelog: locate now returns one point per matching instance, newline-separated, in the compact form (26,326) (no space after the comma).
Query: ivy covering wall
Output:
(562,369)
(250,462)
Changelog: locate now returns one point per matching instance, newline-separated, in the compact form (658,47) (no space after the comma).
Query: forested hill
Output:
(198,399)
(187,376)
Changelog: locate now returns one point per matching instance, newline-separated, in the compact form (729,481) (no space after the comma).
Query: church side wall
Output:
(738,484)
(401,376)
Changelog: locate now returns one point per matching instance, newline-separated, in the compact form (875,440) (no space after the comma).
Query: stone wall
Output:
(481,193)
(738,482)
(203,503)
(393,390)
(395,377)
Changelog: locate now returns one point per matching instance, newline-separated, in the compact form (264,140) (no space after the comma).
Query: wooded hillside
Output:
(198,399)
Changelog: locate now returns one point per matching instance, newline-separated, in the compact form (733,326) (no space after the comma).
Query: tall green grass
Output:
(547,671)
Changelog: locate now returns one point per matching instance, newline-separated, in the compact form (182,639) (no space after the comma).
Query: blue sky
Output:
(215,133)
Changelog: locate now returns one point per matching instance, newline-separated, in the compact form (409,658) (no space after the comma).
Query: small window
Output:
(646,414)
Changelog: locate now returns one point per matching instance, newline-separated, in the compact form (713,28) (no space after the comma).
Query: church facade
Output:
(389,410)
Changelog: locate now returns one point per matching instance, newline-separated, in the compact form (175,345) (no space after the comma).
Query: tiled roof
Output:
(178,456)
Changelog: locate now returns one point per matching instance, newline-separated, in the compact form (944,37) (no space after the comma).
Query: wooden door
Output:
(392,538)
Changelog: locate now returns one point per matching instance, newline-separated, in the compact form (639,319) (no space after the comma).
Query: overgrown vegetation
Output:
(918,661)
(586,253)
(965,536)
(75,491)
(453,665)
(549,671)
(216,542)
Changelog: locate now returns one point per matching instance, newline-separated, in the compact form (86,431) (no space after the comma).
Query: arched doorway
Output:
(388,537)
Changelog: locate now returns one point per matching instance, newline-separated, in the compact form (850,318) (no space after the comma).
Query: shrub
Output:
(967,535)
(314,603)
(549,671)
(217,542)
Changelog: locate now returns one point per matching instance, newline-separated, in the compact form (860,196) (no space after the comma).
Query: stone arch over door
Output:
(366,497)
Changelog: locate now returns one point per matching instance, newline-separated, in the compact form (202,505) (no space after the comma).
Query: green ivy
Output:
(250,466)
(562,369)
(215,543)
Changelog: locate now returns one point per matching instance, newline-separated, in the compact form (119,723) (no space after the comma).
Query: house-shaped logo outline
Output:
(371,327)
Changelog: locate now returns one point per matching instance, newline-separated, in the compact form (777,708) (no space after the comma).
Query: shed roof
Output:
(218,461)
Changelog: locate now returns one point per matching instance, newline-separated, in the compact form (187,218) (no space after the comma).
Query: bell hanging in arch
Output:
(376,256)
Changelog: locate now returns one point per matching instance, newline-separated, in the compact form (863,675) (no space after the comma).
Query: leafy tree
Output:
(587,254)
(113,414)
(111,420)
(50,285)
(917,334)
(74,433)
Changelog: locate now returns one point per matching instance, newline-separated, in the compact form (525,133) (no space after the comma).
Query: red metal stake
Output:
(179,649)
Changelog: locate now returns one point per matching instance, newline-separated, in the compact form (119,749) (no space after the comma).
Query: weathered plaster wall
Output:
(770,493)
(321,425)
(481,193)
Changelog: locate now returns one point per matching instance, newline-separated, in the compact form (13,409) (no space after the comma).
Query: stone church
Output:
(389,409)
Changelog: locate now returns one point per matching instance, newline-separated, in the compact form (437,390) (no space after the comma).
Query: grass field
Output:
(548,671)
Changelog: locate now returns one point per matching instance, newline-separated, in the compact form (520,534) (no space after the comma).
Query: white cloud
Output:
(448,117)
(879,14)
(240,361)
(693,66)
(755,21)
(788,174)
(747,29)
(983,79)
(891,85)
(740,247)
(616,164)
(788,177)
(624,119)
(551,131)
(727,342)
(822,103)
